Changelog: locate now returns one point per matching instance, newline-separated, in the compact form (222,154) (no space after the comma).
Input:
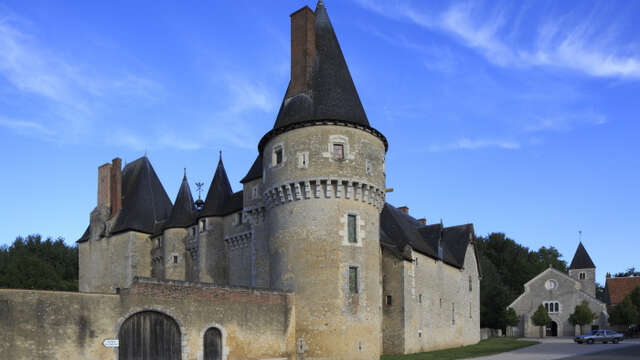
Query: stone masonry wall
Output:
(69,326)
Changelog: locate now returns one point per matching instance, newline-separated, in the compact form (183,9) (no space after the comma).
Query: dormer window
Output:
(338,152)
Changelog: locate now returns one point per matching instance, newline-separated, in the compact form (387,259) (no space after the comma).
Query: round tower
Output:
(324,182)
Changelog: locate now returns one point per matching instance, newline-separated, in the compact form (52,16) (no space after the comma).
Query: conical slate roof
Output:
(183,212)
(219,193)
(331,95)
(581,260)
(255,172)
(144,200)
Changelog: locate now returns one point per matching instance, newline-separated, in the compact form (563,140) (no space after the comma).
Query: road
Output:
(565,348)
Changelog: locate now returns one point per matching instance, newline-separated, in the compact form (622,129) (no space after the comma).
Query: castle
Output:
(308,261)
(560,292)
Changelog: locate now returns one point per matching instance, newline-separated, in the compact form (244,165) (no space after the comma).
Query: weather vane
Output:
(199,186)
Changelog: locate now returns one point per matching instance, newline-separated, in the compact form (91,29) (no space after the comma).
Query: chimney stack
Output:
(404,209)
(116,186)
(423,221)
(303,50)
(104,185)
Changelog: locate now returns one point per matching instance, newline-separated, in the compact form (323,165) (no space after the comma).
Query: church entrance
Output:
(149,335)
(552,330)
(213,344)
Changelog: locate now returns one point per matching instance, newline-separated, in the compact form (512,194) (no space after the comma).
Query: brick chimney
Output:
(303,50)
(404,209)
(116,186)
(104,185)
(423,221)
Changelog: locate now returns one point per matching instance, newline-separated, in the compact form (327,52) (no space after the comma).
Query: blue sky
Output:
(520,117)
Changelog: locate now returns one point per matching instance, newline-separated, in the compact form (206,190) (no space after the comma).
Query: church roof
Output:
(144,200)
(397,230)
(255,172)
(219,193)
(331,95)
(183,212)
(581,260)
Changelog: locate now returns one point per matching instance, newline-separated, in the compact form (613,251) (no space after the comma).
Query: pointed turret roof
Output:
(331,95)
(255,172)
(219,193)
(183,212)
(144,201)
(581,260)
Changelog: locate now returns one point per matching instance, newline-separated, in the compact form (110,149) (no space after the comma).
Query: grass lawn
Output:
(483,348)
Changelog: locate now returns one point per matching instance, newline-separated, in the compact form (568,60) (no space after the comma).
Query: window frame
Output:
(337,155)
(352,228)
(353,280)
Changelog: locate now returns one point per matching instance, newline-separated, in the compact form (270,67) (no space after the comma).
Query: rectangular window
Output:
(557,306)
(175,259)
(351,224)
(470,284)
(453,314)
(278,155)
(420,298)
(303,159)
(388,299)
(338,151)
(353,279)
(254,193)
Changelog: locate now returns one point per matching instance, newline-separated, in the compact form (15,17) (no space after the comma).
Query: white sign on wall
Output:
(111,343)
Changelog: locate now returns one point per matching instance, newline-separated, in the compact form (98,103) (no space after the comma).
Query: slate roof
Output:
(332,95)
(219,193)
(255,172)
(581,260)
(144,200)
(397,230)
(618,288)
(183,212)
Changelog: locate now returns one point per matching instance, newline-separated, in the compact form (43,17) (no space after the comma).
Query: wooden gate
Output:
(213,344)
(150,335)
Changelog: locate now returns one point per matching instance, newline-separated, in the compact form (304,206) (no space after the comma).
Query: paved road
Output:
(625,353)
(565,348)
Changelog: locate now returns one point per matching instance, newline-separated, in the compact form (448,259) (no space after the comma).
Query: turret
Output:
(323,189)
(583,270)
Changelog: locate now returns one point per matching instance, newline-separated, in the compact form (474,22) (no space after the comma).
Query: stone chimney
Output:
(423,221)
(104,185)
(404,209)
(116,186)
(303,50)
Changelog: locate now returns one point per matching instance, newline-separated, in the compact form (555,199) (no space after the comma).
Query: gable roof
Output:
(144,200)
(255,172)
(581,259)
(618,288)
(397,230)
(183,212)
(219,193)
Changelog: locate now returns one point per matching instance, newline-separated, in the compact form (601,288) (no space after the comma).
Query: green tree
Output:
(635,298)
(630,272)
(511,318)
(33,263)
(624,313)
(601,293)
(582,315)
(541,318)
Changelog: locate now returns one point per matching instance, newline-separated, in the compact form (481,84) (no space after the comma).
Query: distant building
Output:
(617,288)
(559,293)
(307,261)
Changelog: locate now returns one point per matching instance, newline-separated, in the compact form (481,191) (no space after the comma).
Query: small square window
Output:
(351,224)
(353,279)
(388,300)
(338,151)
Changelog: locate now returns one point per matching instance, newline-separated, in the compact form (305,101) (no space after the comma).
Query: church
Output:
(307,261)
(560,292)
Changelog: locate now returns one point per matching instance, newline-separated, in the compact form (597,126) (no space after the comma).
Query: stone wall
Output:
(69,326)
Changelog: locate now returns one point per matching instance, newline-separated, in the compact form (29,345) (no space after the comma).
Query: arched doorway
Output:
(552,330)
(149,335)
(213,344)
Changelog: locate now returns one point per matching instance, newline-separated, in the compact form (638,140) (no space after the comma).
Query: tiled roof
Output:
(183,212)
(219,193)
(618,288)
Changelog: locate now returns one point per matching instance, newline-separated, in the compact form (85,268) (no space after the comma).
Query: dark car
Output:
(603,336)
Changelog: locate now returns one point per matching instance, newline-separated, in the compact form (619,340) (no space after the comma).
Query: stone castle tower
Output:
(323,154)
(583,270)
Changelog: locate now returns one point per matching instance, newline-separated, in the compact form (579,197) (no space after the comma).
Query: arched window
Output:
(213,344)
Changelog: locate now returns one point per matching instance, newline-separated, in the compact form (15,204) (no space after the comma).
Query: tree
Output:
(601,293)
(624,313)
(511,318)
(630,272)
(635,298)
(541,318)
(582,315)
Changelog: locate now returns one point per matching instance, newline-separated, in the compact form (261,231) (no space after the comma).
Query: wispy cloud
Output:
(26,127)
(565,122)
(475,144)
(582,45)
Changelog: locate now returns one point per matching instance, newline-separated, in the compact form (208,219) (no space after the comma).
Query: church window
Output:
(470,283)
(453,313)
(470,312)
(552,307)
(351,224)
(583,275)
(440,303)
(557,307)
(303,160)
(338,151)
(353,279)
(388,300)
(551,284)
